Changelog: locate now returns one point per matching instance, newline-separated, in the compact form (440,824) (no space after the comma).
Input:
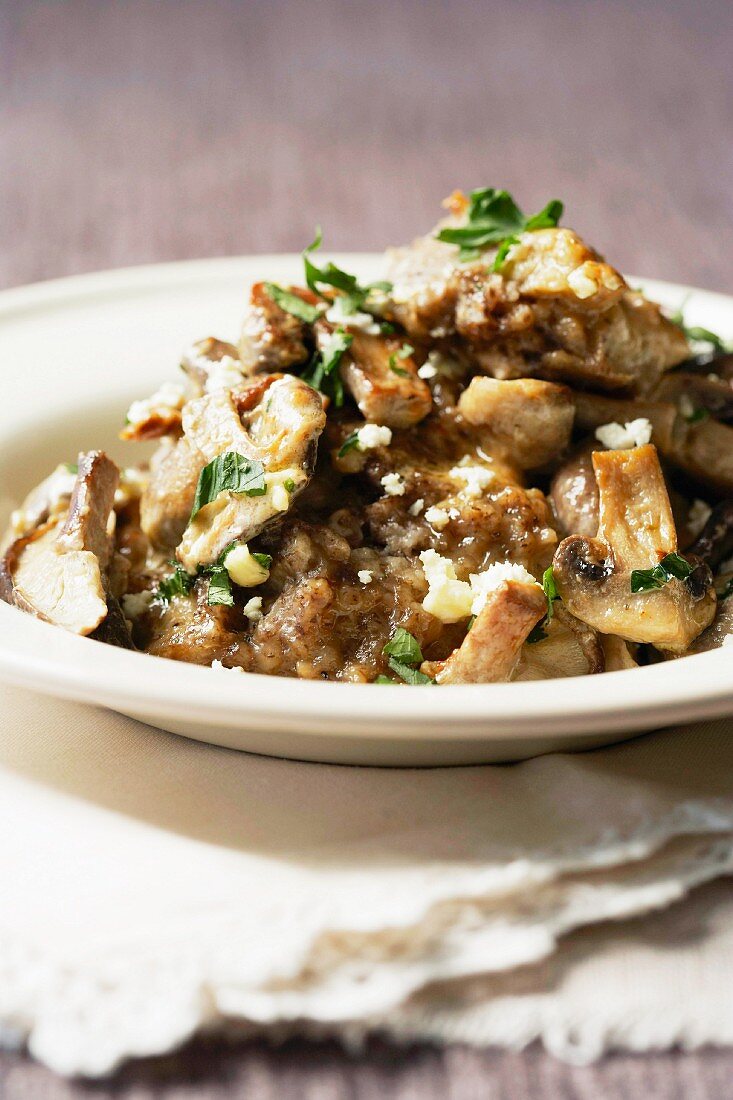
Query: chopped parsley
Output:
(351,443)
(291,303)
(179,583)
(220,586)
(539,632)
(404,653)
(697,333)
(495,219)
(671,566)
(404,353)
(265,560)
(322,371)
(71,467)
(354,294)
(697,415)
(289,485)
(230,472)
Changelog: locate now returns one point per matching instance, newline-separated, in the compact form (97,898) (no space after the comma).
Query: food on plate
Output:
(499,463)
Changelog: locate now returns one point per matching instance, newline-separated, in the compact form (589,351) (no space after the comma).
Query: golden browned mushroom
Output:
(574,493)
(704,448)
(569,648)
(281,432)
(636,532)
(492,646)
(273,339)
(526,420)
(382,377)
(212,364)
(57,572)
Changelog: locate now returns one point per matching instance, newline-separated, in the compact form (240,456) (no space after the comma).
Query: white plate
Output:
(74,353)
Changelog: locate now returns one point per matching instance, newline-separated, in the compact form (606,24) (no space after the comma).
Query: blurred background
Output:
(143,130)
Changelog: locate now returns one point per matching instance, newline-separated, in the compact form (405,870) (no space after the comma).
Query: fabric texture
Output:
(154,886)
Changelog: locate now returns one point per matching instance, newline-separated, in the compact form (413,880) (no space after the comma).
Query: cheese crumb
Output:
(362,321)
(451,600)
(243,567)
(365,576)
(393,485)
(280,498)
(164,403)
(224,374)
(476,478)
(427,371)
(437,517)
(617,437)
(373,435)
(581,284)
(135,604)
(698,516)
(253,609)
(416,507)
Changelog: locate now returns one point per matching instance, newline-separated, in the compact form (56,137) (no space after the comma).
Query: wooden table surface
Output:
(141,131)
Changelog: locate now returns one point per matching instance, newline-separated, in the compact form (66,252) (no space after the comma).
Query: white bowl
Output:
(74,353)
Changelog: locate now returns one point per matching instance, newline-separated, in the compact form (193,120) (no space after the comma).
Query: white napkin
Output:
(153,885)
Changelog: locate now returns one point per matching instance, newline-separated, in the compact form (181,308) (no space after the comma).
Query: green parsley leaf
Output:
(471,621)
(495,219)
(697,333)
(179,583)
(322,372)
(71,467)
(404,353)
(386,328)
(351,443)
(385,680)
(265,560)
(289,485)
(354,293)
(409,675)
(230,472)
(291,303)
(403,647)
(697,415)
(220,587)
(550,589)
(671,566)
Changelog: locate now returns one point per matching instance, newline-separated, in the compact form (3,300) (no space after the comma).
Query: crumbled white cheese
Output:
(581,284)
(164,403)
(438,518)
(477,478)
(224,374)
(135,604)
(427,371)
(225,668)
(617,437)
(450,599)
(362,321)
(253,609)
(698,516)
(373,435)
(365,576)
(416,507)
(280,498)
(393,485)
(243,568)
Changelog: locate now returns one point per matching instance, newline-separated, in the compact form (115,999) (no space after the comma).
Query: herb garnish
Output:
(220,586)
(291,303)
(404,653)
(404,353)
(322,371)
(697,333)
(355,295)
(71,467)
(289,485)
(671,566)
(351,443)
(229,472)
(697,415)
(538,633)
(495,219)
(179,583)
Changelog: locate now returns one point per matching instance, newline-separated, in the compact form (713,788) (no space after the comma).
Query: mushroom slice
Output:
(574,494)
(714,544)
(700,394)
(212,364)
(703,448)
(167,500)
(492,646)
(384,382)
(57,572)
(281,431)
(526,419)
(719,632)
(636,531)
(273,340)
(570,648)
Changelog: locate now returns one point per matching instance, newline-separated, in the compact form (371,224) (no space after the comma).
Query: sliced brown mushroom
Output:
(272,339)
(574,493)
(527,420)
(636,531)
(570,648)
(57,572)
(384,381)
(703,449)
(491,648)
(701,393)
(719,631)
(201,359)
(281,431)
(714,544)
